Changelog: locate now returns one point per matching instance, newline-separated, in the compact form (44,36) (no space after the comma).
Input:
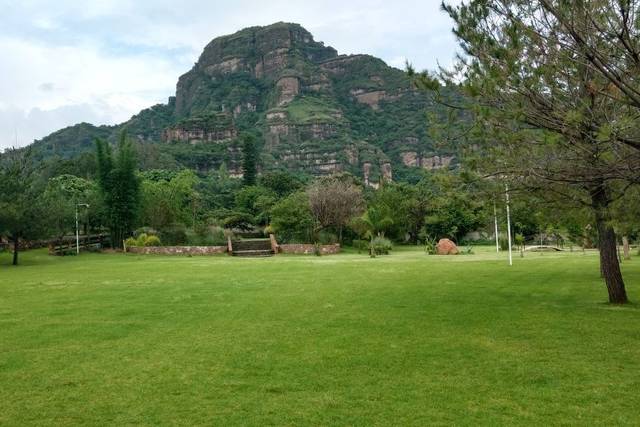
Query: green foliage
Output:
(291,219)
(374,222)
(239,220)
(61,196)
(455,206)
(249,160)
(130,242)
(206,235)
(119,187)
(70,141)
(282,183)
(312,109)
(503,242)
(20,215)
(360,245)
(206,122)
(218,189)
(381,245)
(174,234)
(168,197)
(150,122)
(430,243)
(467,251)
(153,241)
(398,203)
(255,201)
(143,239)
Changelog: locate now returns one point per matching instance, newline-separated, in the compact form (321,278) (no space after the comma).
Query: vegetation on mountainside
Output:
(311,109)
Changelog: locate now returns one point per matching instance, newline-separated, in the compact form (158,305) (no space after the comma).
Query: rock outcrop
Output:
(313,110)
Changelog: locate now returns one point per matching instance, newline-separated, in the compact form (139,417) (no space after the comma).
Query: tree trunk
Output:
(609,264)
(16,246)
(625,247)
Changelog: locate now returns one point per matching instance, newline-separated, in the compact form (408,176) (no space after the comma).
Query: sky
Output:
(102,61)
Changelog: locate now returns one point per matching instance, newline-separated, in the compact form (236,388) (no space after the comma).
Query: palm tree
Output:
(373,223)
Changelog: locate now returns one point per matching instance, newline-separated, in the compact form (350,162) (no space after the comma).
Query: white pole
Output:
(506,187)
(77,233)
(495,223)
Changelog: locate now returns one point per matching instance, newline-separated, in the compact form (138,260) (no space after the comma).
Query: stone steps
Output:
(252,247)
(253,253)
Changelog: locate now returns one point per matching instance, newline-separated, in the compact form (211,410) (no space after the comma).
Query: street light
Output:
(78,229)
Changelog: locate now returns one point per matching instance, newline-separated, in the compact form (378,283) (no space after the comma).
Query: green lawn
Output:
(406,339)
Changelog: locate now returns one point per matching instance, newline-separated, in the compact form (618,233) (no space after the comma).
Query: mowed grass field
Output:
(406,339)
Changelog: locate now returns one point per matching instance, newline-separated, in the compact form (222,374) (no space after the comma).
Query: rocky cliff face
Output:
(314,110)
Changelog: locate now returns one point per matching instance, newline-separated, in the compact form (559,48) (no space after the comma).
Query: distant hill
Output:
(312,110)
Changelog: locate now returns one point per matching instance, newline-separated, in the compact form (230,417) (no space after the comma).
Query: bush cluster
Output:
(381,246)
(144,239)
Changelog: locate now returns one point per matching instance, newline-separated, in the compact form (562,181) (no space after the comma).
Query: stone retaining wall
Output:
(177,250)
(308,249)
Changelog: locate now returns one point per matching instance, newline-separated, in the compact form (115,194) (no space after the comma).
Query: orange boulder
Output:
(446,247)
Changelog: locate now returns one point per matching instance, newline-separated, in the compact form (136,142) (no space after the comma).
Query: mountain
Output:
(312,109)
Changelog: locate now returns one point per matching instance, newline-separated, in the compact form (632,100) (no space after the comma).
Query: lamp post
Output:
(77,228)
(495,227)
(506,192)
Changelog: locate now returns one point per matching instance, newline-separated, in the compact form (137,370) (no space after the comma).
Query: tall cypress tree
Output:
(249,159)
(119,186)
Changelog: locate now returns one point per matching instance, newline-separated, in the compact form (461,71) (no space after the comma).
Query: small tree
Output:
(334,203)
(373,223)
(20,214)
(291,218)
(61,196)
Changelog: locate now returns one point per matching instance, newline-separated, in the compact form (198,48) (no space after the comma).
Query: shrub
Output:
(239,220)
(175,234)
(131,242)
(381,245)
(217,236)
(360,245)
(326,238)
(153,241)
(142,239)
(467,251)
(430,244)
(504,244)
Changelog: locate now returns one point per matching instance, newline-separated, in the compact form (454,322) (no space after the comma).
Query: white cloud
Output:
(102,61)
